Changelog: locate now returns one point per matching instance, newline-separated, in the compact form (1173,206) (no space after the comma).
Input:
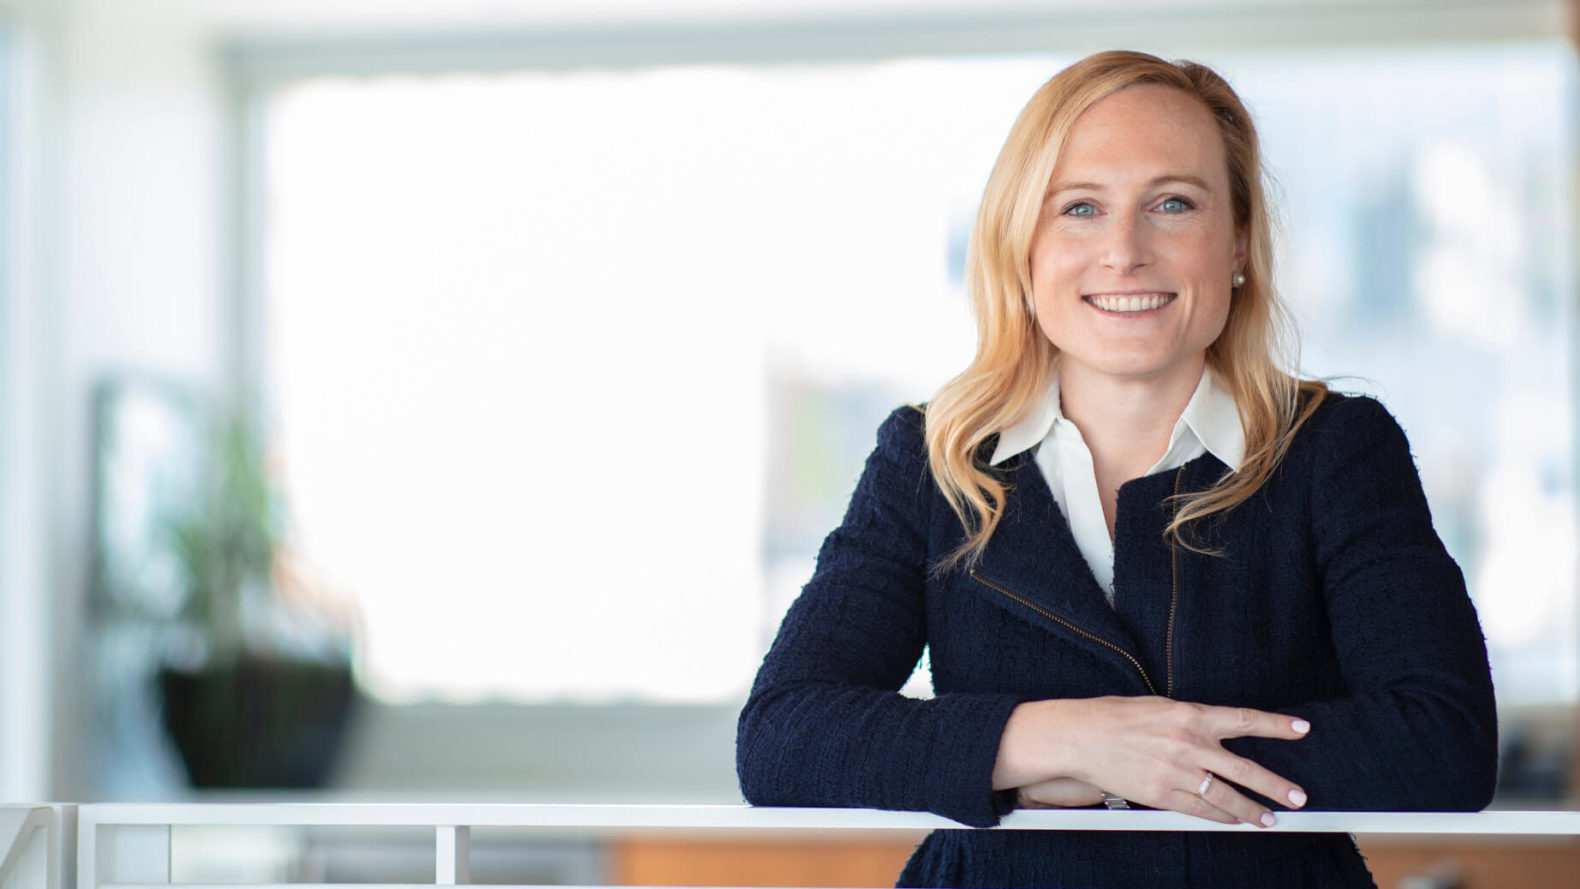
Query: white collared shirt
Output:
(1210,423)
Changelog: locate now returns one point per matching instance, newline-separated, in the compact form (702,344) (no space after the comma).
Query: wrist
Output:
(1061,720)
(1031,748)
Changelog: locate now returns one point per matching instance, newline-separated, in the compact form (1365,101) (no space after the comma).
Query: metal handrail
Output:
(623,818)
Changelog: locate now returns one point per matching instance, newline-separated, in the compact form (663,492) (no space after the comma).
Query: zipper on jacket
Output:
(1174,598)
(1066,624)
(1174,585)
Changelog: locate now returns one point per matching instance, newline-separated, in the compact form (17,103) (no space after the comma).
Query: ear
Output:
(1242,240)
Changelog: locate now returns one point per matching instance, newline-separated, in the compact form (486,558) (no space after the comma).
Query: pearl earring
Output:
(1238,280)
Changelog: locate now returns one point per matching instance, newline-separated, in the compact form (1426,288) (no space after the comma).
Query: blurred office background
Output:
(564,328)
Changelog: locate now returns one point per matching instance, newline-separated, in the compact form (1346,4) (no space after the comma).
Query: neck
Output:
(1126,423)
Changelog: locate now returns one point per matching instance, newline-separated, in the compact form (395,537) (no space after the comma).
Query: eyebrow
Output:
(1167,177)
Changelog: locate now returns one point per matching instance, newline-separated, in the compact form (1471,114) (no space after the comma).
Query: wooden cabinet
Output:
(758,863)
(1480,863)
(1477,862)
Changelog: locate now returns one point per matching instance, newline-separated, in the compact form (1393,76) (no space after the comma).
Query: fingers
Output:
(1243,722)
(1156,752)
(1059,792)
(1203,807)
(1215,800)
(1222,798)
(1251,776)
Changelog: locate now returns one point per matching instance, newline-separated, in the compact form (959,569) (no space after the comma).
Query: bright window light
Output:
(572,371)
(523,332)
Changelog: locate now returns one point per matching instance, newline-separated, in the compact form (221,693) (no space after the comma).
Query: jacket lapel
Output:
(1032,556)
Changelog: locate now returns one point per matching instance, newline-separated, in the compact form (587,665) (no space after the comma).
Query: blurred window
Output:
(572,371)
(8,104)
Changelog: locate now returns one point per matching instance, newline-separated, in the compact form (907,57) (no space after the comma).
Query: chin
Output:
(1139,369)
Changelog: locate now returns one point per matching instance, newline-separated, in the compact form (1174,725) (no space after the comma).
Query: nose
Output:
(1125,248)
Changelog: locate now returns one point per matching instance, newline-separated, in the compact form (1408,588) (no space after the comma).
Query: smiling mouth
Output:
(1125,304)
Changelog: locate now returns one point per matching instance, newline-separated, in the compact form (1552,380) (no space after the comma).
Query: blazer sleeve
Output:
(1419,731)
(824,724)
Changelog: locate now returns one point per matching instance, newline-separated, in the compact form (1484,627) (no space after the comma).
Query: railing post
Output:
(63,847)
(453,855)
(30,866)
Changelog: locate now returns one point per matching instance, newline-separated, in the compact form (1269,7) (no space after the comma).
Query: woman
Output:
(1149,564)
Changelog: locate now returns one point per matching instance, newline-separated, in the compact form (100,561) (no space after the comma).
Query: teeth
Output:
(1131,303)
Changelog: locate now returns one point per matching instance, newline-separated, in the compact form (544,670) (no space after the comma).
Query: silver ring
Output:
(1206,783)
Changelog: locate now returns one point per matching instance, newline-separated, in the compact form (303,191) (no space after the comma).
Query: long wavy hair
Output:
(1015,362)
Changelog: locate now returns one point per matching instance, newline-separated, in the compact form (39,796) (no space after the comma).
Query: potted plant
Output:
(259,692)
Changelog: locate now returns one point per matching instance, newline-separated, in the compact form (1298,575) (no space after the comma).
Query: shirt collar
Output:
(1210,415)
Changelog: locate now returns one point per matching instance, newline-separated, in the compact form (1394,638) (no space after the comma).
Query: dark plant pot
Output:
(258,722)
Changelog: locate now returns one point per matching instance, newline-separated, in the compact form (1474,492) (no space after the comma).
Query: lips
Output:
(1128,303)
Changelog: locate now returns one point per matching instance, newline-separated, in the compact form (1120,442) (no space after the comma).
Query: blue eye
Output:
(1174,205)
(1080,209)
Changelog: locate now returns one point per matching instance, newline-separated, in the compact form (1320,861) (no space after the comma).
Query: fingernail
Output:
(1297,798)
(1301,726)
(1268,820)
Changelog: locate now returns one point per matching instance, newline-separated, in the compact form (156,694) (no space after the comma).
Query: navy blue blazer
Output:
(1333,599)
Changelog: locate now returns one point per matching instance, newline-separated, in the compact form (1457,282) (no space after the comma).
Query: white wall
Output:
(26,357)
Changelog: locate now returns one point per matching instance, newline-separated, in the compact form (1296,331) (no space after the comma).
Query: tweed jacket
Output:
(1330,598)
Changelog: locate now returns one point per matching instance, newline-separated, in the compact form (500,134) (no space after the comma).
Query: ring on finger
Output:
(1206,784)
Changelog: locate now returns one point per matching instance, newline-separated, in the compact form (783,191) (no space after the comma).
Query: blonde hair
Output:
(1014,360)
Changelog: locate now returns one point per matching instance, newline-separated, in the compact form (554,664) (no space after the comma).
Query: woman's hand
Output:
(1058,793)
(1151,750)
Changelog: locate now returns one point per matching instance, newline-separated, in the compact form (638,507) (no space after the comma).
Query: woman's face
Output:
(1133,255)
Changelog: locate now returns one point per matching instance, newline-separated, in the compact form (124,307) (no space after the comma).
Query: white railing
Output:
(34,839)
(128,846)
